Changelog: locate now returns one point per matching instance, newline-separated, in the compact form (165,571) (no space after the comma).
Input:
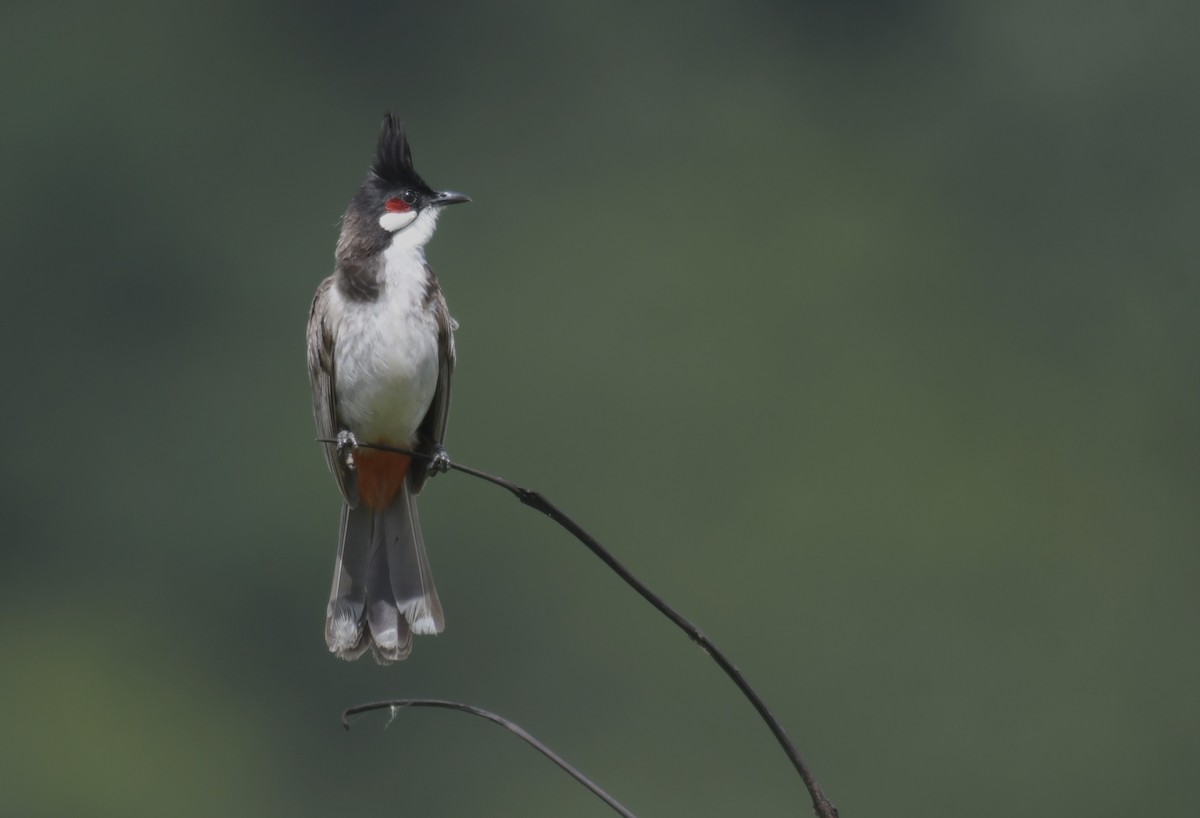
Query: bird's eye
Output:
(402,203)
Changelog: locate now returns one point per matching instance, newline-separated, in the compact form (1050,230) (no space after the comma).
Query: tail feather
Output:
(383,589)
(412,581)
(390,634)
(345,618)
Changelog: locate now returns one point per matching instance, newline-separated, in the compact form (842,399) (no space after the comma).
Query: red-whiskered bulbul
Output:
(380,357)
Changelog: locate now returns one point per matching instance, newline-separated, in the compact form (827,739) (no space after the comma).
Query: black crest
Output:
(393,157)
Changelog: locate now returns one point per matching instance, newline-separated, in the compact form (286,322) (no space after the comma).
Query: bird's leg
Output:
(440,462)
(346,444)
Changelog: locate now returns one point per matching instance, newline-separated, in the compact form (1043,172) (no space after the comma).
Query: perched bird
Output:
(380,357)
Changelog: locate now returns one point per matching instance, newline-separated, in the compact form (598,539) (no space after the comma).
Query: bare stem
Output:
(822,806)
(510,726)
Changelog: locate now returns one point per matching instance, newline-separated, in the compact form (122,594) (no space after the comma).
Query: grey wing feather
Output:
(432,431)
(323,377)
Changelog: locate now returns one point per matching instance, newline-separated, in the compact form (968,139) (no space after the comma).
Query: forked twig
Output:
(822,806)
(510,726)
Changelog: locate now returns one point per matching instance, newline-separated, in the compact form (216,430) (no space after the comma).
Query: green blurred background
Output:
(864,331)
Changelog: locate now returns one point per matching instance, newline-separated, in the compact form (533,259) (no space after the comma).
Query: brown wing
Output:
(432,430)
(322,376)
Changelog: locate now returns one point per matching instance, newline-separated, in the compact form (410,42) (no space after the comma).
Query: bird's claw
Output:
(440,462)
(346,444)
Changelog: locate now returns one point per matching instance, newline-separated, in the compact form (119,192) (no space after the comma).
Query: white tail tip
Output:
(344,634)
(424,625)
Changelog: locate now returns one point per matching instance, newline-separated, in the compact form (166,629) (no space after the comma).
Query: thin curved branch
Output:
(822,806)
(510,726)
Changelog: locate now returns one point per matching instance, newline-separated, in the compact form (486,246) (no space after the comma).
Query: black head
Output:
(393,204)
(394,177)
(393,165)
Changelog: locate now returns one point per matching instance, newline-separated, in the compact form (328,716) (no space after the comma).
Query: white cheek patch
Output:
(392,222)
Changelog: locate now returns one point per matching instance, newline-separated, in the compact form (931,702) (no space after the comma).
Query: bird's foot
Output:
(440,462)
(346,444)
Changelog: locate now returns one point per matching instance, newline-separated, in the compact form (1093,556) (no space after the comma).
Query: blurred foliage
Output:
(864,331)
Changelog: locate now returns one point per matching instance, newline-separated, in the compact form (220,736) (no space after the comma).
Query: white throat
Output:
(410,231)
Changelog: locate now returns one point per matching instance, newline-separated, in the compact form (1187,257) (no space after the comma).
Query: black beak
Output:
(448,197)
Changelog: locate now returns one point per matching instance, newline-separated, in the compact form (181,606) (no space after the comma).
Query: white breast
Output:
(386,354)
